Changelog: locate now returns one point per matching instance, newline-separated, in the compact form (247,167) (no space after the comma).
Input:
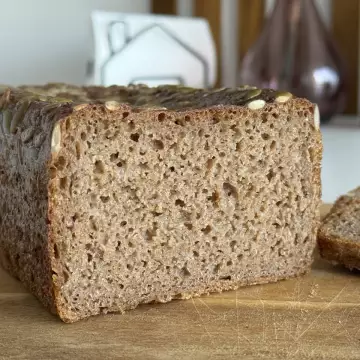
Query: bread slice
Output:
(113,197)
(339,234)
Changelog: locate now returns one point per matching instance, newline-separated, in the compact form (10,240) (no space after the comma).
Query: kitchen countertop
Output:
(312,317)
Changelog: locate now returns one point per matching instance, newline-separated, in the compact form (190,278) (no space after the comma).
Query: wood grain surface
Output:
(312,317)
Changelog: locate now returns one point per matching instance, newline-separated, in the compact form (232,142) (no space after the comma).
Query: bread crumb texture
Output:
(154,194)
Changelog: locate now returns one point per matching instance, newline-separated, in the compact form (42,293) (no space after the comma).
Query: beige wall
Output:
(50,40)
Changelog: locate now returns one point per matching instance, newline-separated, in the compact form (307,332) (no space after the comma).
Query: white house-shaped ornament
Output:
(152,50)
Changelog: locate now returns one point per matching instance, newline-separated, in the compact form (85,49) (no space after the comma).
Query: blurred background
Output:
(313,52)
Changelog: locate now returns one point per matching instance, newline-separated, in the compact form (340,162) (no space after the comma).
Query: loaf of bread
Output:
(113,197)
(339,233)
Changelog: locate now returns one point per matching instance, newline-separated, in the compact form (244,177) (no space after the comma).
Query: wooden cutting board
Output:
(313,317)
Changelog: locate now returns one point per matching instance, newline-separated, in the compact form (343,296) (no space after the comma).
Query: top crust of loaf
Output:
(167,97)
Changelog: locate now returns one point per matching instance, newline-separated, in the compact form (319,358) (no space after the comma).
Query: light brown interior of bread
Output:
(344,220)
(156,205)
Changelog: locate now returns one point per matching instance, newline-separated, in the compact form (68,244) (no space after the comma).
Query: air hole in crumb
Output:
(60,163)
(222,154)
(88,144)
(185,272)
(229,263)
(83,136)
(179,202)
(144,166)
(135,137)
(56,251)
(130,244)
(67,124)
(119,164)
(215,120)
(158,144)
(230,190)
(104,199)
(131,125)
(149,235)
(206,230)
(118,245)
(196,254)
(99,167)
(270,175)
(187,118)
(232,245)
(225,277)
(214,198)
(206,147)
(63,183)
(161,117)
(131,149)
(210,163)
(114,157)
(78,150)
(179,122)
(129,266)
(66,276)
(265,136)
(238,146)
(276,225)
(172,169)
(217,268)
(89,257)
(188,225)
(125,114)
(240,256)
(273,145)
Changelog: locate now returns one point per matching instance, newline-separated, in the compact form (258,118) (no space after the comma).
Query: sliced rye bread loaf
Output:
(339,233)
(113,197)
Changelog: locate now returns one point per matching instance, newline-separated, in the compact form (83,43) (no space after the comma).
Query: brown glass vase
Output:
(295,52)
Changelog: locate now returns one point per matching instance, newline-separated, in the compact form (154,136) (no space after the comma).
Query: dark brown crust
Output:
(339,251)
(140,96)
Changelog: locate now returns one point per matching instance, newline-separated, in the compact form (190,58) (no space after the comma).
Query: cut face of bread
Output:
(113,197)
(339,234)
